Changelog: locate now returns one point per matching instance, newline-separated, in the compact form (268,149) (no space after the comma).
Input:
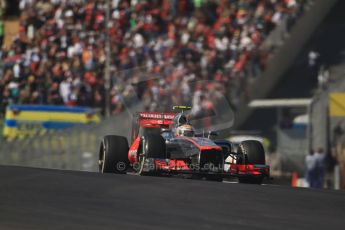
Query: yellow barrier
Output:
(337,104)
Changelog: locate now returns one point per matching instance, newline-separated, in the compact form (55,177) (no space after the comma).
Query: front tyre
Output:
(151,146)
(251,152)
(113,155)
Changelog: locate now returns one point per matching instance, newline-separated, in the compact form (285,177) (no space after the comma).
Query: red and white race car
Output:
(158,149)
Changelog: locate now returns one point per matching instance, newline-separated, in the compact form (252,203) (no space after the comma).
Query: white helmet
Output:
(185,130)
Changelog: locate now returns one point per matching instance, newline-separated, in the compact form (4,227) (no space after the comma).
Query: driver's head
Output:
(180,119)
(185,130)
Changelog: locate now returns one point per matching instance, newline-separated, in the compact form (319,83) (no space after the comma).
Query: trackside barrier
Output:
(72,149)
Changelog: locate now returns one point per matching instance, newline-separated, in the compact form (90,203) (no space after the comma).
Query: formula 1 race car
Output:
(166,144)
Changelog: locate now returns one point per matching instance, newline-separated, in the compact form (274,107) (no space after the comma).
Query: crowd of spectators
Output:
(163,52)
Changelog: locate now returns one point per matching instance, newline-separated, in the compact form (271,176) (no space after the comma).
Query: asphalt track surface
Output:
(51,199)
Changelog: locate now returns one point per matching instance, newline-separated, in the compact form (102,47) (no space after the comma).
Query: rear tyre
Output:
(154,146)
(251,152)
(113,155)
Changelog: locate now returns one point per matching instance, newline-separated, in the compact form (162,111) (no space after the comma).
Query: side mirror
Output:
(167,134)
(165,130)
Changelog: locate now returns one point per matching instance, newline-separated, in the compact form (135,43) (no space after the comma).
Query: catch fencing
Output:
(292,146)
(71,149)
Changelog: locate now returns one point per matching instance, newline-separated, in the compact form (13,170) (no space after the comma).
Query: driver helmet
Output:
(185,130)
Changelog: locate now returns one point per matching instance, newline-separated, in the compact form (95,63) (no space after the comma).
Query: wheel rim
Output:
(141,160)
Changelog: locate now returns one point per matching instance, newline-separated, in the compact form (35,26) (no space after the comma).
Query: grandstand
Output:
(58,56)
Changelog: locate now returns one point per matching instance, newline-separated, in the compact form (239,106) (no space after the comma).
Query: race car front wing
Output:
(168,166)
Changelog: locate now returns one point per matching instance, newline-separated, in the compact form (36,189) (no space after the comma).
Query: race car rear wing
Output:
(147,119)
(159,120)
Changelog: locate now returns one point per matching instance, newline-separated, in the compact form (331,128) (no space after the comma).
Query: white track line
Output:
(230,182)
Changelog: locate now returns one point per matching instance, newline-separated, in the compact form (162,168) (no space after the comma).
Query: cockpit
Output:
(180,119)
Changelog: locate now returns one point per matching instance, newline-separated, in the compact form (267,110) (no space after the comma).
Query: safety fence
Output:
(72,149)
(292,147)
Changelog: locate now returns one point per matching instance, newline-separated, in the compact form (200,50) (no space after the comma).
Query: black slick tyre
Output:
(113,155)
(251,152)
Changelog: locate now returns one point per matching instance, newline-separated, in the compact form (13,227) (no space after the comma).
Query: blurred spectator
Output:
(310,163)
(158,49)
(313,63)
(312,58)
(320,168)
(323,77)
(316,165)
(330,161)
